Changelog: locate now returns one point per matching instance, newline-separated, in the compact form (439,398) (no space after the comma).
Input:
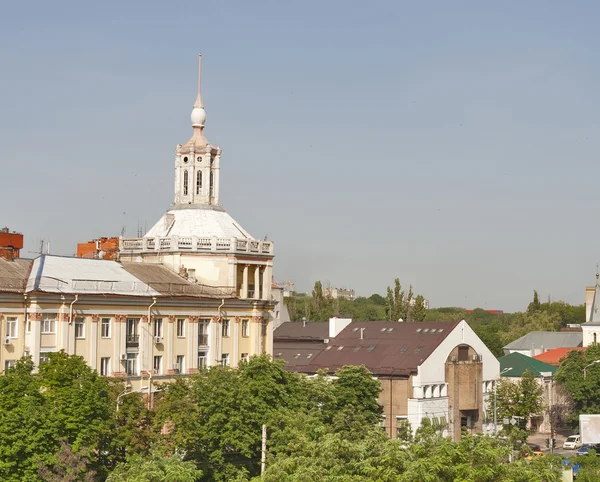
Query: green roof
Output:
(519,364)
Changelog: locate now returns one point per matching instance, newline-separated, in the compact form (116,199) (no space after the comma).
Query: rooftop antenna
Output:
(123,231)
(198,102)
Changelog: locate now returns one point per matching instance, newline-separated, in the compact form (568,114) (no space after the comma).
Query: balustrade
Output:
(193,243)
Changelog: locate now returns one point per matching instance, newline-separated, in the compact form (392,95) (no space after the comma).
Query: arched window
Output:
(212,184)
(199,182)
(185,183)
(185,159)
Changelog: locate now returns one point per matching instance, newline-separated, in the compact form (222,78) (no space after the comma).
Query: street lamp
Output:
(586,367)
(128,391)
(507,369)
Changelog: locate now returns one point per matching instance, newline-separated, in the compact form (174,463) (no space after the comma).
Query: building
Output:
(196,237)
(591,328)
(101,248)
(537,342)
(11,244)
(441,371)
(195,290)
(345,293)
(513,366)
(125,319)
(555,356)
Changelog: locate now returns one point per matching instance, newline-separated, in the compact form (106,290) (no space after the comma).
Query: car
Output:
(584,449)
(535,451)
(573,442)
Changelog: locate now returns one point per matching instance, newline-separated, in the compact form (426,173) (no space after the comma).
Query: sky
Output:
(453,145)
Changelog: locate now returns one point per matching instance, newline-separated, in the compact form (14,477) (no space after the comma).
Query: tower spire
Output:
(198,102)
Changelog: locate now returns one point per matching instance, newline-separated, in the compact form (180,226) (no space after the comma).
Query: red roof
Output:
(554,356)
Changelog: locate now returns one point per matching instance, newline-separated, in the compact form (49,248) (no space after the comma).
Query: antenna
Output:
(198,102)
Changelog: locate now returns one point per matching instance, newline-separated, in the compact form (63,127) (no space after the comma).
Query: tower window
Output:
(212,184)
(199,182)
(199,159)
(185,159)
(185,182)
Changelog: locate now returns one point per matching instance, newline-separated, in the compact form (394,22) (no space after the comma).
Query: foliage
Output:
(69,467)
(157,468)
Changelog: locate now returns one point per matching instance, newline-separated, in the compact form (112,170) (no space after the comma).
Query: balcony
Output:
(202,340)
(132,340)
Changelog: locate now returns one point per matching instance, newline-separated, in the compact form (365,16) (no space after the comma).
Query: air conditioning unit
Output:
(123,356)
(158,340)
(454,359)
(479,357)
(7,341)
(175,366)
(475,357)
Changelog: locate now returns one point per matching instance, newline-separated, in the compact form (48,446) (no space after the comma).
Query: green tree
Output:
(317,295)
(535,305)
(156,468)
(69,467)
(419,311)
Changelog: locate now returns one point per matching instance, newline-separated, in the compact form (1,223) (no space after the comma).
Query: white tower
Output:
(591,329)
(196,161)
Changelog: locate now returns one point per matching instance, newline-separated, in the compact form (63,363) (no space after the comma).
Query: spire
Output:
(595,310)
(198,102)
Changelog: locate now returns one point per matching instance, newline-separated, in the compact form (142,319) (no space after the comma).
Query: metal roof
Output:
(297,330)
(519,364)
(546,339)
(14,274)
(198,220)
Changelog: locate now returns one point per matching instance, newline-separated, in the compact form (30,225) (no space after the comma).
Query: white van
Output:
(572,442)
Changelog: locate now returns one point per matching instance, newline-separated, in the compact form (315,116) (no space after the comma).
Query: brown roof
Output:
(167,282)
(386,347)
(14,274)
(295,330)
(296,354)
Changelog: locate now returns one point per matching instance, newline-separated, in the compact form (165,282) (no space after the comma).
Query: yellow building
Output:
(195,291)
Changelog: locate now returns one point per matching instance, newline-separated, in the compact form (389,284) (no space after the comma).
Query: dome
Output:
(198,116)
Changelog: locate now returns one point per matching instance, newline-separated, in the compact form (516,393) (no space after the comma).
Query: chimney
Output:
(10,244)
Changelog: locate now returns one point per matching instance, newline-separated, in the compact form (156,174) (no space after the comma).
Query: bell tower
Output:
(197,162)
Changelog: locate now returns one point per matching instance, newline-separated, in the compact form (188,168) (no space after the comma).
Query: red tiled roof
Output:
(554,356)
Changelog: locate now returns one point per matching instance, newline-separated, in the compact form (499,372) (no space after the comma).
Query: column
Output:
(192,355)
(244,293)
(169,341)
(257,282)
(36,330)
(267,279)
(93,341)
(211,355)
(235,355)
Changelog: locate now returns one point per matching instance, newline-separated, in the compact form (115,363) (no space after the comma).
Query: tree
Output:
(156,468)
(535,305)
(317,295)
(419,311)
(69,467)
(519,399)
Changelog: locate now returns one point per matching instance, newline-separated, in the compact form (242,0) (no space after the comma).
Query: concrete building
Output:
(195,290)
(440,371)
(196,236)
(335,293)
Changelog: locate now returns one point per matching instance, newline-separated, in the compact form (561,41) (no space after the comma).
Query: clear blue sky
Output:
(451,144)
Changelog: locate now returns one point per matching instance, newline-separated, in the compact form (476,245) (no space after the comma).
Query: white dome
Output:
(198,117)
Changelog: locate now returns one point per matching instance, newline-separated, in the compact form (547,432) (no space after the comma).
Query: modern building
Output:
(441,371)
(335,293)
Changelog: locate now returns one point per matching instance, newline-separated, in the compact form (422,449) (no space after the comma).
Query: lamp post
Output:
(128,391)
(507,369)
(587,366)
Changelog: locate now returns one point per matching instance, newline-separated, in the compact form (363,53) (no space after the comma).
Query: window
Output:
(244,357)
(202,359)
(180,365)
(225,328)
(158,327)
(403,431)
(43,357)
(212,185)
(105,366)
(245,328)
(105,328)
(180,327)
(48,325)
(185,159)
(225,360)
(199,182)
(463,353)
(9,364)
(79,328)
(131,364)
(185,182)
(157,365)
(11,327)
(132,331)
(28,328)
(203,332)
(199,159)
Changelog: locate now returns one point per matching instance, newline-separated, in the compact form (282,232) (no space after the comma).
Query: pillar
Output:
(257,283)
(266,288)
(244,293)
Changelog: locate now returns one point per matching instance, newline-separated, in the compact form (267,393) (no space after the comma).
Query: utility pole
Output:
(263,449)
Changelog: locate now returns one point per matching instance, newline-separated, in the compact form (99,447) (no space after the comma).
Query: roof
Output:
(297,354)
(519,364)
(297,330)
(553,357)
(546,339)
(384,347)
(57,274)
(13,275)
(595,310)
(198,220)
